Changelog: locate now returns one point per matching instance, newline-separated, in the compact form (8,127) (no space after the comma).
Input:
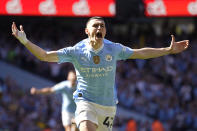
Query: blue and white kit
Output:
(66,90)
(95,70)
(68,105)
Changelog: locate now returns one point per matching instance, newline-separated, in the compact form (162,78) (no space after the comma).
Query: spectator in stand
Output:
(131,125)
(157,126)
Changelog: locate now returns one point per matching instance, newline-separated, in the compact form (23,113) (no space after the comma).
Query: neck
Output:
(72,83)
(96,45)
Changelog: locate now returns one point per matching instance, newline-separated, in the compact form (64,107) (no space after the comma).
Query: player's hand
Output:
(19,34)
(177,47)
(33,90)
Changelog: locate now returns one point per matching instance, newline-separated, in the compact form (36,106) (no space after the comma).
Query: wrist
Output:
(36,92)
(169,50)
(24,41)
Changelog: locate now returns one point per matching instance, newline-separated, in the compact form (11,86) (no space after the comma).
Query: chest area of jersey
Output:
(92,65)
(92,59)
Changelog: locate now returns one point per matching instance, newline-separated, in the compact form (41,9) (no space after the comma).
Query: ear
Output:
(86,31)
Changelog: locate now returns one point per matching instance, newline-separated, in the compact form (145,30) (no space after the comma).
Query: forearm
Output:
(41,54)
(43,91)
(36,50)
(146,53)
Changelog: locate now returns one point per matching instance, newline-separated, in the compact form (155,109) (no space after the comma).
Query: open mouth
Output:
(99,35)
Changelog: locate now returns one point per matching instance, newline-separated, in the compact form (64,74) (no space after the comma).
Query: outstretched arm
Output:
(46,90)
(41,54)
(146,53)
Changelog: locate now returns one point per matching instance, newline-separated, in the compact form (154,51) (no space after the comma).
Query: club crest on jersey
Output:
(108,57)
(96,59)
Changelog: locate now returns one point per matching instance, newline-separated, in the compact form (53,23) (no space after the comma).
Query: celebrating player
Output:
(66,88)
(95,60)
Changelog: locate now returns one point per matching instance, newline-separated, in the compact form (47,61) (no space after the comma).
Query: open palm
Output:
(19,34)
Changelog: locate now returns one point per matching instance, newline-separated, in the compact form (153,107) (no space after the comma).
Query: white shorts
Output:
(102,116)
(67,118)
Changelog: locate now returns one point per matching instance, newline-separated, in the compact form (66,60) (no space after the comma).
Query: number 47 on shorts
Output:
(108,122)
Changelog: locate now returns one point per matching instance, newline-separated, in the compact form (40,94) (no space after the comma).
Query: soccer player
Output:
(66,88)
(95,60)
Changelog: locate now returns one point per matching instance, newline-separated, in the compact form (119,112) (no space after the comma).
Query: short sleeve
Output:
(60,87)
(66,54)
(123,52)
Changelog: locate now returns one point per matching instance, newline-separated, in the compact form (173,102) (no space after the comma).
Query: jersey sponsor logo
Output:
(96,75)
(108,57)
(96,59)
(97,72)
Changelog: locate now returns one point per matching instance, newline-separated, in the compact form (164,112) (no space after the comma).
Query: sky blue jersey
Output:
(95,70)
(66,90)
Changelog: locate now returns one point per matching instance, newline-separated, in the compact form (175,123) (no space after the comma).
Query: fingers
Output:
(21,28)
(183,43)
(32,90)
(173,39)
(187,44)
(14,29)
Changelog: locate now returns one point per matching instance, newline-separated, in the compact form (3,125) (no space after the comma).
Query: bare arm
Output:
(146,53)
(38,52)
(46,90)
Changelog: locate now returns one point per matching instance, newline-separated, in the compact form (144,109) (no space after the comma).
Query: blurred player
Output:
(66,88)
(95,60)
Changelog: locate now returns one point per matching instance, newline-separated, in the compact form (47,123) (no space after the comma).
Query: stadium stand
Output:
(161,89)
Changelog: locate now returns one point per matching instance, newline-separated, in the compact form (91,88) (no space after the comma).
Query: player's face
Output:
(96,30)
(71,76)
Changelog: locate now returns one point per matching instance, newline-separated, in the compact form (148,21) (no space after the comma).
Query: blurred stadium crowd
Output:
(162,89)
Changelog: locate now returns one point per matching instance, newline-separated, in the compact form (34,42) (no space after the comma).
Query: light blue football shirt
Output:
(96,82)
(66,90)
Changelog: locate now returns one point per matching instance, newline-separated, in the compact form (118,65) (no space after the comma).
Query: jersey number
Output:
(108,122)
